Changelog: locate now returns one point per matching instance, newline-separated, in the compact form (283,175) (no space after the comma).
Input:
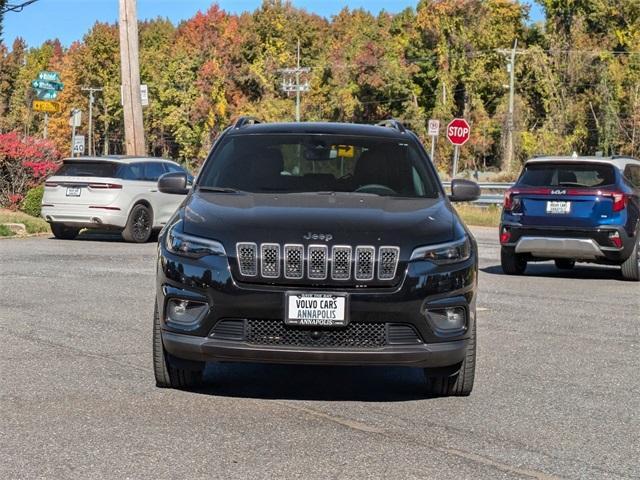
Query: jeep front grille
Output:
(247,259)
(388,262)
(365,263)
(293,262)
(317,262)
(270,256)
(341,263)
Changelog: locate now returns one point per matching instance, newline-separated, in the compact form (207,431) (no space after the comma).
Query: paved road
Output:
(557,390)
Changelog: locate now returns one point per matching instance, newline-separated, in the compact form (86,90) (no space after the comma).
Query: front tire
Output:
(512,263)
(459,384)
(166,374)
(631,266)
(64,233)
(565,264)
(139,225)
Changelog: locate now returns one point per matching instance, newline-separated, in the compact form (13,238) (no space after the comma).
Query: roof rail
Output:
(392,123)
(244,121)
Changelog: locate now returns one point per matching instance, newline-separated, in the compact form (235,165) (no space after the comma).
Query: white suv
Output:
(119,193)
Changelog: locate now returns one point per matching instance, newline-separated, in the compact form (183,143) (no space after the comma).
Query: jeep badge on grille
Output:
(324,237)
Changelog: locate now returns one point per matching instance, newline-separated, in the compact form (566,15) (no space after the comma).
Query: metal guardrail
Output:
(488,195)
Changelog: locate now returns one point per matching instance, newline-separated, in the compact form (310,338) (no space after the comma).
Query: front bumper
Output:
(206,349)
(424,287)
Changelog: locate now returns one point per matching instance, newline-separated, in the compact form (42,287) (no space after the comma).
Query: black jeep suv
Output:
(317,243)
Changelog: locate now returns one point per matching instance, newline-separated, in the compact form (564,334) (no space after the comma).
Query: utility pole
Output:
(131,99)
(288,85)
(512,81)
(105,150)
(511,68)
(91,90)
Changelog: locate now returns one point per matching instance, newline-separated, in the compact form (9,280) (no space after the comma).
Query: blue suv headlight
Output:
(445,253)
(185,245)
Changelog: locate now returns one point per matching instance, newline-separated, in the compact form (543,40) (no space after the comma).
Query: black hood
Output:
(349,219)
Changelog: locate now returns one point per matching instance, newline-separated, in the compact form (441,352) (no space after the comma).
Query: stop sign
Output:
(458,131)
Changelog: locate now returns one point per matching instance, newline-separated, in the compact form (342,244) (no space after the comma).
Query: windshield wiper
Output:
(219,190)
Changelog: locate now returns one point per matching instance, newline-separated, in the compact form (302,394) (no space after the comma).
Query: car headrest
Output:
(565,176)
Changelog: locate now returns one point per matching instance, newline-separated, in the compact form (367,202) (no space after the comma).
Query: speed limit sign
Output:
(434,128)
(78,145)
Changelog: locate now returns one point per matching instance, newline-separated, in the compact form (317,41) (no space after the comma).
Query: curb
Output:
(30,235)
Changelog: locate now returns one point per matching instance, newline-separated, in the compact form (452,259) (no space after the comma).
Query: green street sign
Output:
(46,94)
(49,76)
(47,85)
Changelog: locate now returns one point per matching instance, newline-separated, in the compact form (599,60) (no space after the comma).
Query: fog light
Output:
(185,312)
(453,318)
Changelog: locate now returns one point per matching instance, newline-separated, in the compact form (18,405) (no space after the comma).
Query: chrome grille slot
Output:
(293,262)
(247,259)
(317,262)
(314,262)
(270,260)
(365,258)
(387,262)
(341,262)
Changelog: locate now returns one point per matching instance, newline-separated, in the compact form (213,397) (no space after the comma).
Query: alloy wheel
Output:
(141,224)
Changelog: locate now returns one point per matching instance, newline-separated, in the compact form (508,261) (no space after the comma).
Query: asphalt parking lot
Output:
(557,388)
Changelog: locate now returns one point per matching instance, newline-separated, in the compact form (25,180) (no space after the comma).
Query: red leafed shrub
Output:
(24,163)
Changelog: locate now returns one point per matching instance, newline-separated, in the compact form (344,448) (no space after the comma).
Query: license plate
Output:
(316,309)
(558,207)
(73,191)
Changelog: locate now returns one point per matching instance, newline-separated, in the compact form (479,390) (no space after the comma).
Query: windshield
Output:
(311,163)
(567,175)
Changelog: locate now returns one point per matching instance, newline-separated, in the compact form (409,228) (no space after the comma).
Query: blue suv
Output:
(573,209)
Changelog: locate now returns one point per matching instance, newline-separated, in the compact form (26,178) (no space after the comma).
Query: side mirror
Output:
(464,191)
(173,183)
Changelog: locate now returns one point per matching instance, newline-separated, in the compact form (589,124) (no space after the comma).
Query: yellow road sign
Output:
(346,151)
(47,107)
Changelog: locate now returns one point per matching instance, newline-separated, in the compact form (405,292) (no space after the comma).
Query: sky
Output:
(69,20)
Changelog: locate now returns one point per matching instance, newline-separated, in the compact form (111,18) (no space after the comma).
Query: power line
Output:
(17,7)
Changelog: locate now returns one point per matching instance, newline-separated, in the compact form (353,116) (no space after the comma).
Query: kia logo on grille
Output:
(323,237)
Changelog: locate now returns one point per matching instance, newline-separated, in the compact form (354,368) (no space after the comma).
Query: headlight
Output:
(445,253)
(186,245)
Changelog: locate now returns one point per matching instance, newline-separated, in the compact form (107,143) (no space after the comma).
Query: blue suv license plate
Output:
(555,207)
